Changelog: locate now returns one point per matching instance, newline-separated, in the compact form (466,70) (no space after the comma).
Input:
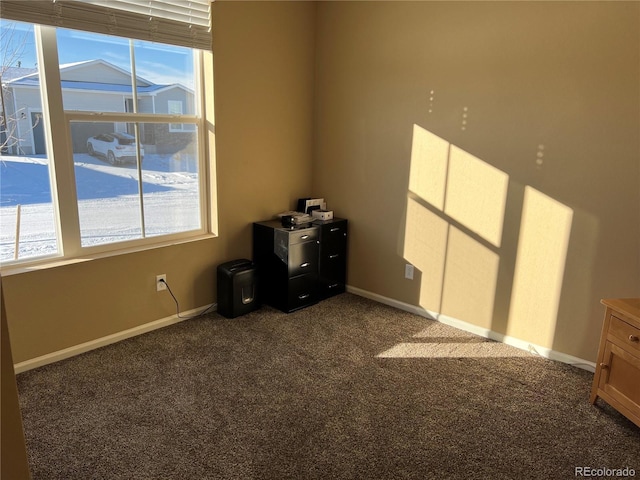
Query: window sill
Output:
(54,262)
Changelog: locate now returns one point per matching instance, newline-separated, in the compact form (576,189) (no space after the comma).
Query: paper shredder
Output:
(237,288)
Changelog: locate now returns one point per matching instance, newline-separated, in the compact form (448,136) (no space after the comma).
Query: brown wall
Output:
(518,220)
(264,98)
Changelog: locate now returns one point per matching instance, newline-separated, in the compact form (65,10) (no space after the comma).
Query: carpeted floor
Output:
(345,389)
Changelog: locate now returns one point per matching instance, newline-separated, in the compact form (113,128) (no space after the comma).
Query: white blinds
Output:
(177,22)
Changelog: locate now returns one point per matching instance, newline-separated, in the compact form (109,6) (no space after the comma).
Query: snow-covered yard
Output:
(108,201)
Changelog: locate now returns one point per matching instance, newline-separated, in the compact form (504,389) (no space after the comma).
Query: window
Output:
(27,210)
(175,108)
(92,157)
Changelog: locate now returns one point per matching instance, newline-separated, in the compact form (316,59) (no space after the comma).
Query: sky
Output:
(158,63)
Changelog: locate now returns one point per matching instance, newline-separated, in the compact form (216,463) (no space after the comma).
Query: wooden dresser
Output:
(617,377)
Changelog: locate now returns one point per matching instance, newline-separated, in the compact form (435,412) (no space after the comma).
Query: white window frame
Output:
(178,127)
(175,103)
(175,127)
(63,188)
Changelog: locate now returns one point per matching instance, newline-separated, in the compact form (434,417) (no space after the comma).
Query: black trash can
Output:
(237,288)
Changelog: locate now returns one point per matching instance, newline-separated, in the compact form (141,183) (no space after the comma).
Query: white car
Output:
(116,148)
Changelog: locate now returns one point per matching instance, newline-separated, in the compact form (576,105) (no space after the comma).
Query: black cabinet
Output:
(298,266)
(332,264)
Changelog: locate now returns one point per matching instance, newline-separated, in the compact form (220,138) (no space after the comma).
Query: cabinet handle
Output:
(335,229)
(334,285)
(604,366)
(304,237)
(335,255)
(304,265)
(303,296)
(633,338)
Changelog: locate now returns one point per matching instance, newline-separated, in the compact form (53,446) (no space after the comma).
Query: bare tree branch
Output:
(13,43)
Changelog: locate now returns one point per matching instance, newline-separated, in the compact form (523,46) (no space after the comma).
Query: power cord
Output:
(205,311)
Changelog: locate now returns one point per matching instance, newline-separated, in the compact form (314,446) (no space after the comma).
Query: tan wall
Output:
(495,146)
(264,89)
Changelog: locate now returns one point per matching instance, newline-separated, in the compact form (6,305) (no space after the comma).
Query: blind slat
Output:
(178,22)
(194,12)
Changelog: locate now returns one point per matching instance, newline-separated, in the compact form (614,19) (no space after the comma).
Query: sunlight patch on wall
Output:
(428,171)
(470,278)
(476,195)
(456,206)
(455,212)
(425,245)
(542,249)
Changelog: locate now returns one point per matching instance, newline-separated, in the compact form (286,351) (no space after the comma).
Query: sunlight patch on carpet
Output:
(453,350)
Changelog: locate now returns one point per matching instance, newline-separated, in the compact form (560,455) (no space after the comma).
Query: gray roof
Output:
(11,73)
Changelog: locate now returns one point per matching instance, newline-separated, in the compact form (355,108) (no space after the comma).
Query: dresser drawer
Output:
(620,376)
(628,334)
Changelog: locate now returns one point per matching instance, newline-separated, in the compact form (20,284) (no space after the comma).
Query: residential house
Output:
(101,86)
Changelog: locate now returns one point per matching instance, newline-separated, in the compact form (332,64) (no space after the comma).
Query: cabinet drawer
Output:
(334,236)
(628,334)
(303,258)
(330,288)
(302,291)
(333,267)
(303,235)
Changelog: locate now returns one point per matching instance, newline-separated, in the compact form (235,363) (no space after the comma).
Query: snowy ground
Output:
(108,201)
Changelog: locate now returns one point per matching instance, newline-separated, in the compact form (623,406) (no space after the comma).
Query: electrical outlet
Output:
(160,285)
(408,271)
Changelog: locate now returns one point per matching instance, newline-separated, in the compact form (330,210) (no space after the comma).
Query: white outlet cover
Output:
(408,271)
(161,285)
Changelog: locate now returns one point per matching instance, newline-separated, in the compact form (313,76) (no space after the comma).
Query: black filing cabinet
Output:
(297,266)
(287,263)
(332,266)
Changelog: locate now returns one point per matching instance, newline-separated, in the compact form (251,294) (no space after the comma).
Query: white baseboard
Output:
(108,340)
(173,319)
(483,332)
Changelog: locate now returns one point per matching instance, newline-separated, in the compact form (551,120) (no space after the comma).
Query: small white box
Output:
(322,214)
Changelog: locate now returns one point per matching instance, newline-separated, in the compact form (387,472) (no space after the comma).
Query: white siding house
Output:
(94,85)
